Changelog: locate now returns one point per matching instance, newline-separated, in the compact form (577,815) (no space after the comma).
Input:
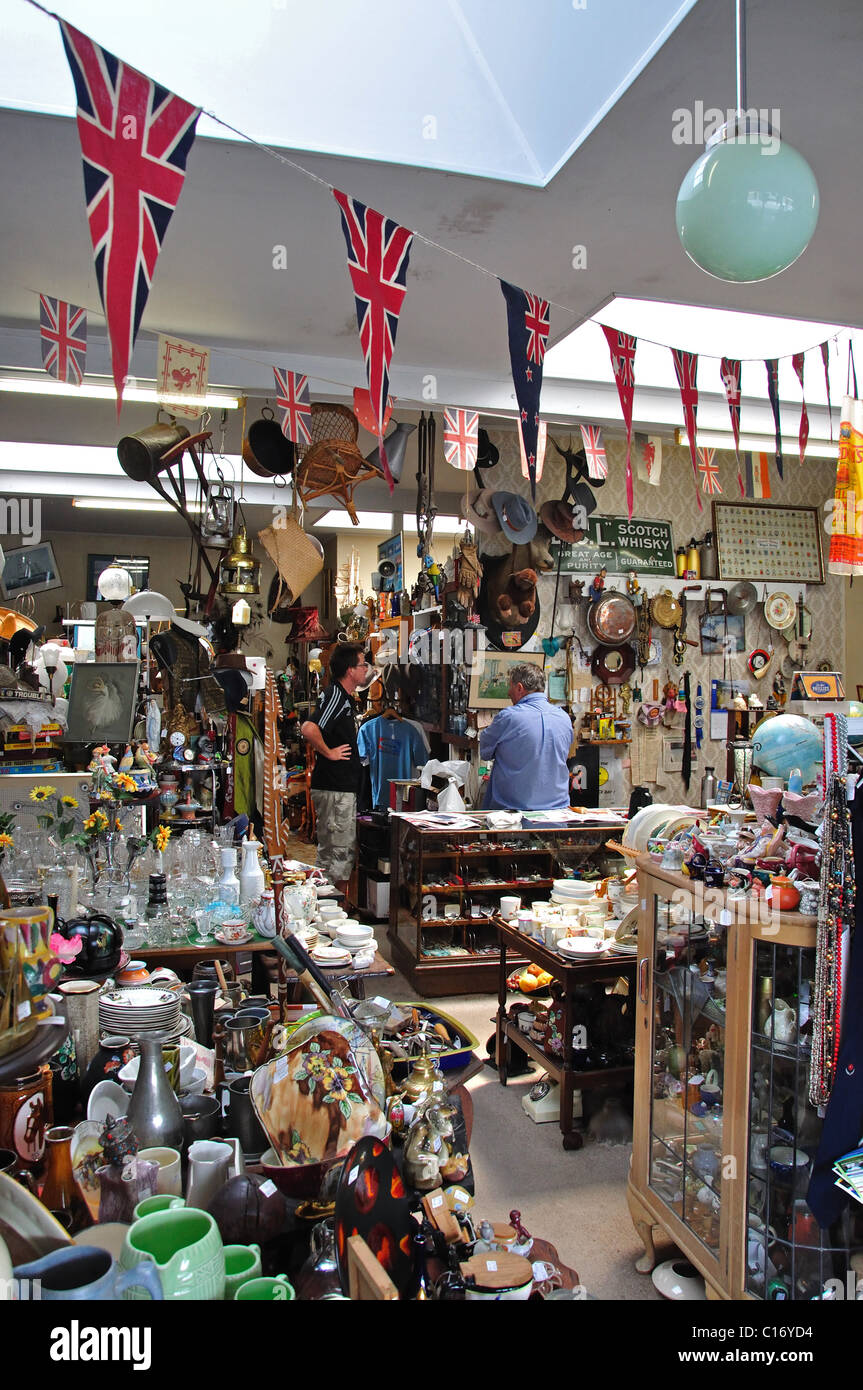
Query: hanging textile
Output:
(461,438)
(622,348)
(63,330)
(648,458)
(378,256)
(797,362)
(825,355)
(527,320)
(135,140)
(846,541)
(757,470)
(274,833)
(182,369)
(294,402)
(729,370)
(686,371)
(709,471)
(772,365)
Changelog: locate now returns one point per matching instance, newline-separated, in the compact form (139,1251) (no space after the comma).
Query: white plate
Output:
(586,948)
(137,998)
(28,1229)
(107,1101)
(236,941)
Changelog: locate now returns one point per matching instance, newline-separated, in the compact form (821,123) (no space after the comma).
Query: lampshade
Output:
(115,583)
(748,206)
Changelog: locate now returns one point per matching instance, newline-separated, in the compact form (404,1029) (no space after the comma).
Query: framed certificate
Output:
(758,541)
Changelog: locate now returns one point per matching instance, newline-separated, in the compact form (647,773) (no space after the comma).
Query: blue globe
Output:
(787,741)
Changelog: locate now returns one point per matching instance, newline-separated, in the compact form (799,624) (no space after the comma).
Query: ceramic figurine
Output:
(429,1158)
(127,761)
(597,586)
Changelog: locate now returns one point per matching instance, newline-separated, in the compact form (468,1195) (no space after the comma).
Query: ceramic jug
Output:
(782,1023)
(185,1247)
(251,876)
(154,1111)
(87,1272)
(209,1164)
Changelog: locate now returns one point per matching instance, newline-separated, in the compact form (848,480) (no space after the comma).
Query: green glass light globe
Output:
(747,209)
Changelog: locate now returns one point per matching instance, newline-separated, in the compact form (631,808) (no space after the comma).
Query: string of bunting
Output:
(135,142)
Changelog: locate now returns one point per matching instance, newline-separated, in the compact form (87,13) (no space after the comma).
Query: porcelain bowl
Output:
(574,888)
(679,1281)
(354,935)
(129,1073)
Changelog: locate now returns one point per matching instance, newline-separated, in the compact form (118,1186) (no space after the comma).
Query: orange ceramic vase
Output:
(784,894)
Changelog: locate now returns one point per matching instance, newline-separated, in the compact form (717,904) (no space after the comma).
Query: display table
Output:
(568,974)
(182,957)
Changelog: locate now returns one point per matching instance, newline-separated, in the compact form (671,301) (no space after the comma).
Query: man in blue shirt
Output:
(530,744)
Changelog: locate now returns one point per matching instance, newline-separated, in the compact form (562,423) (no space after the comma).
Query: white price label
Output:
(23,1010)
(491,1266)
(281,1069)
(268,1188)
(437,1201)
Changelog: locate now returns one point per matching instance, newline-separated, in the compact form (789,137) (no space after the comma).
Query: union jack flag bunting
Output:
(622,348)
(461,438)
(729,370)
(378,256)
(772,365)
(686,370)
(797,362)
(292,399)
(135,140)
(594,451)
(709,471)
(64,339)
(527,321)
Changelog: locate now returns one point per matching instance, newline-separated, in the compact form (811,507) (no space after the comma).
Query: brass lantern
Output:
(239,572)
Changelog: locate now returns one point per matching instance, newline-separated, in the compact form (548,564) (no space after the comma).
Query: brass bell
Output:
(239,572)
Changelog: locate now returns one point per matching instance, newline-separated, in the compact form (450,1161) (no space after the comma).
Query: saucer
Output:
(233,941)
(331,955)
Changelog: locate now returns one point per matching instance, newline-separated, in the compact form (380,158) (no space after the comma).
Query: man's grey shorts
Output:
(336,820)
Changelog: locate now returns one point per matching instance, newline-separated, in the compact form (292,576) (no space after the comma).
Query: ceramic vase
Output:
(251,876)
(122,1188)
(25,1105)
(60,1192)
(81,999)
(154,1111)
(111,1054)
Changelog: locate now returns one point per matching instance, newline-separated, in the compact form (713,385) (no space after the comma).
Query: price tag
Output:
(437,1201)
(725,917)
(23,1011)
(268,1188)
(281,1069)
(491,1266)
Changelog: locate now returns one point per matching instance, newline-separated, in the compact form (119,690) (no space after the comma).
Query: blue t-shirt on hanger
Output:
(394,750)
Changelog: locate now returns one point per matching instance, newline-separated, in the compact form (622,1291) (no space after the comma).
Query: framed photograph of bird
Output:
(102,702)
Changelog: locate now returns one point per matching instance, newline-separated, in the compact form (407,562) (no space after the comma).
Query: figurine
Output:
(144,759)
(633,588)
(127,761)
(576,590)
(429,1160)
(597,586)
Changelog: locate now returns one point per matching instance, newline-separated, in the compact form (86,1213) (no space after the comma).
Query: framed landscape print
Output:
(757,541)
(489,687)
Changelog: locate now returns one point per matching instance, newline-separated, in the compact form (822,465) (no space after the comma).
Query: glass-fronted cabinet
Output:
(724,1135)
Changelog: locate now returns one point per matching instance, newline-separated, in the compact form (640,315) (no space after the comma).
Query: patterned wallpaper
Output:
(674,500)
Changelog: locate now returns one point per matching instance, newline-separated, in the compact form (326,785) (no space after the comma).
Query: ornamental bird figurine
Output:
(144,759)
(127,762)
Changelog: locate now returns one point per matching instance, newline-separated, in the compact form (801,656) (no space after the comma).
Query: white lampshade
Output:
(115,583)
(241,613)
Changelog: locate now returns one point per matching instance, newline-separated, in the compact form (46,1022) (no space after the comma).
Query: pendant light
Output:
(749,205)
(239,571)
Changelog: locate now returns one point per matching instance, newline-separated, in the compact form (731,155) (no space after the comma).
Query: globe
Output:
(784,742)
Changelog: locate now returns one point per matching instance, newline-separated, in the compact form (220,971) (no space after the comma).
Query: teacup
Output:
(242,1264)
(509,906)
(233,929)
(163,1201)
(266,1290)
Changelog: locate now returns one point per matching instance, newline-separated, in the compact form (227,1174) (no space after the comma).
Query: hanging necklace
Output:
(835,914)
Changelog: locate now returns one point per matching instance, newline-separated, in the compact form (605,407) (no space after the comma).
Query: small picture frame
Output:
(30,570)
(672,754)
(489,685)
(102,702)
(723,634)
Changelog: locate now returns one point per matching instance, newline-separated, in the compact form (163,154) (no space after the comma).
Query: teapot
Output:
(101,941)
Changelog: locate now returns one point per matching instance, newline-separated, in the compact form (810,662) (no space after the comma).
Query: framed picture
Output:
(722,633)
(756,540)
(391,553)
(30,570)
(102,702)
(137,565)
(489,686)
(672,753)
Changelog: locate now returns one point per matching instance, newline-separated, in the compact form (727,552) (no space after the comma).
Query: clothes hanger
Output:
(391,713)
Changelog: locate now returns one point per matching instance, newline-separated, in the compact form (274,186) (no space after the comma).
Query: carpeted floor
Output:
(577,1199)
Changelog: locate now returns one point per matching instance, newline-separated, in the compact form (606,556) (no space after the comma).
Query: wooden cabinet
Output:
(445,885)
(724,1134)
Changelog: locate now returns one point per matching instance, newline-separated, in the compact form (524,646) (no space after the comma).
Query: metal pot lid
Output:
(612,618)
(742,599)
(613,665)
(665,610)
(779,609)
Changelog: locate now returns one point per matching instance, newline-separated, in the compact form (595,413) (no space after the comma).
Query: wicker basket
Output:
(332,464)
(298,560)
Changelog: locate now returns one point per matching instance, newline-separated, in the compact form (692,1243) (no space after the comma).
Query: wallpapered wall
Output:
(674,500)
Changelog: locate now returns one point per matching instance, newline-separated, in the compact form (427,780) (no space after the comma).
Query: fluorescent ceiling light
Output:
(89,390)
(337,520)
(128,504)
(759,443)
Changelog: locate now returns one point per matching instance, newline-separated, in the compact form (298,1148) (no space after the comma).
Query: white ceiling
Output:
(215,281)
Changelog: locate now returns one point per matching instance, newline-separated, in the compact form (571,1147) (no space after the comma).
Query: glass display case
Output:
(724,1135)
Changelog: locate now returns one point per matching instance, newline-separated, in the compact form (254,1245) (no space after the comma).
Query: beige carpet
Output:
(576,1200)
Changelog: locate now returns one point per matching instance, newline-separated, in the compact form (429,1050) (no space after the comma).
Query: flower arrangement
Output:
(58,817)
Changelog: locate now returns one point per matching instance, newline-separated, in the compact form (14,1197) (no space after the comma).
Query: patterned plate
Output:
(779,609)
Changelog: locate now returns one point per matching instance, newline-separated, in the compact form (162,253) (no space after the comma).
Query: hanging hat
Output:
(559,518)
(487,454)
(508,602)
(479,511)
(516,516)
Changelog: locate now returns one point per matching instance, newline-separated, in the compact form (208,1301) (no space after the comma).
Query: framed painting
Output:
(489,684)
(102,702)
(30,570)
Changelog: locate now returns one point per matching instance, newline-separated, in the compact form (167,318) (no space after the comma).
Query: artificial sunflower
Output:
(97,822)
(163,835)
(125,782)
(42,793)
(6,842)
(71,801)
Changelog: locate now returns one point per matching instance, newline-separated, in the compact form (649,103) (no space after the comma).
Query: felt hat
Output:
(487,454)
(558,517)
(478,510)
(508,602)
(516,516)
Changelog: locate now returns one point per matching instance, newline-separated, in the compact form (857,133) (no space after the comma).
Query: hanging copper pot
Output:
(141,454)
(266,451)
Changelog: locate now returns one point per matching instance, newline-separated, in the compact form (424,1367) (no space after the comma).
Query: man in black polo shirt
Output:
(332,732)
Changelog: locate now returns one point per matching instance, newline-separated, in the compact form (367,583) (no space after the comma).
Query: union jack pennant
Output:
(622,349)
(594,451)
(729,370)
(772,365)
(686,369)
(292,399)
(64,339)
(709,471)
(797,362)
(461,438)
(527,321)
(135,140)
(378,256)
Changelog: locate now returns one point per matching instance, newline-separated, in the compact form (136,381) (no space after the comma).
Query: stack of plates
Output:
(581,947)
(331,955)
(139,1010)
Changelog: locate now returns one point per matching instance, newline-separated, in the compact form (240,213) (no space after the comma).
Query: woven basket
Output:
(296,557)
(332,464)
